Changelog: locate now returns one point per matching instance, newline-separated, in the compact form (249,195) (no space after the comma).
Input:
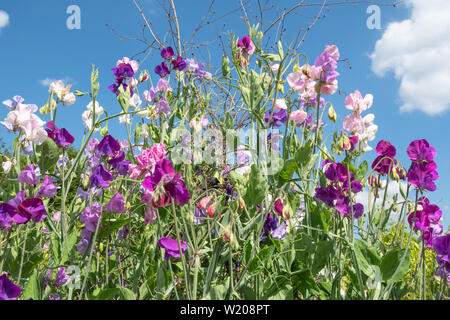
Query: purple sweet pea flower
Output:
(150,95)
(327,195)
(246,44)
(162,106)
(172,248)
(277,118)
(179,64)
(167,53)
(62,137)
(28,175)
(173,186)
(100,177)
(61,277)
(108,146)
(91,218)
(280,232)
(33,209)
(48,189)
(8,290)
(162,70)
(162,85)
(116,204)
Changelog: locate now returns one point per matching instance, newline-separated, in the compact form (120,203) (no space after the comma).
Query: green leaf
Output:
(124,98)
(393,261)
(305,159)
(259,261)
(323,251)
(47,154)
(32,289)
(366,256)
(362,170)
(256,188)
(288,170)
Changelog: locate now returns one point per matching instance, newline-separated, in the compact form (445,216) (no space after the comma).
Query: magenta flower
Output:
(116,204)
(20,211)
(246,44)
(8,290)
(166,185)
(108,146)
(172,248)
(385,162)
(427,219)
(422,172)
(421,150)
(422,175)
(28,175)
(167,53)
(278,206)
(48,189)
(62,137)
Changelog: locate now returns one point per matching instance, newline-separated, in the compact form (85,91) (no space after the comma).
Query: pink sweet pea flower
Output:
(357,103)
(298,116)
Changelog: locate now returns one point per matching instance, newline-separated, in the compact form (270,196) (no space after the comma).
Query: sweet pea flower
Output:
(246,44)
(147,161)
(116,204)
(134,64)
(279,104)
(172,248)
(89,114)
(8,290)
(179,64)
(7,165)
(12,104)
(166,185)
(108,146)
(61,277)
(48,189)
(167,53)
(299,116)
(62,137)
(162,70)
(62,92)
(357,103)
(28,175)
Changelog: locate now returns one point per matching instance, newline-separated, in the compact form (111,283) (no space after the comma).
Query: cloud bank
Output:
(417,50)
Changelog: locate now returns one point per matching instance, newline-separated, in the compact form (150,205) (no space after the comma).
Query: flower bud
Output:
(225,66)
(44,110)
(211,210)
(332,114)
(104,131)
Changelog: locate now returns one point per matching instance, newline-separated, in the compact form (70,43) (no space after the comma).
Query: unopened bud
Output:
(332,114)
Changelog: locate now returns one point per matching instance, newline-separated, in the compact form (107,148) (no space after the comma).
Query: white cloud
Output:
(417,50)
(4,19)
(47,81)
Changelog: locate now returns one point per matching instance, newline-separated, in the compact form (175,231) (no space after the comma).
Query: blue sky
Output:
(36,45)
